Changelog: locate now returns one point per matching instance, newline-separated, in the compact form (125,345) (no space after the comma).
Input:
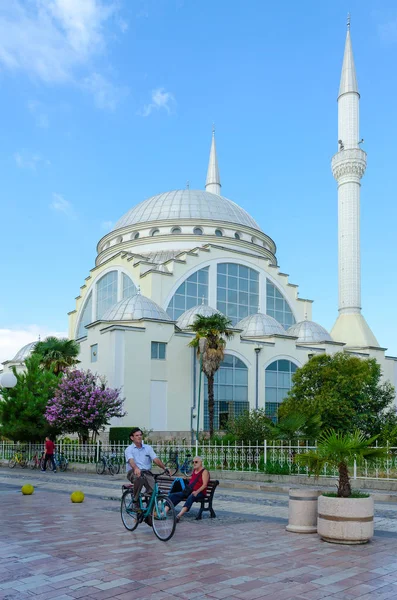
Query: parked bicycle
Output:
(109,462)
(19,458)
(35,461)
(156,509)
(61,462)
(174,465)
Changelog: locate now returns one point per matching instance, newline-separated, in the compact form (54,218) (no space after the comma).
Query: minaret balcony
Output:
(349,161)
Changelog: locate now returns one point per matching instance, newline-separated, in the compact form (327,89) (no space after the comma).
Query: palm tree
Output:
(57,353)
(338,449)
(214,331)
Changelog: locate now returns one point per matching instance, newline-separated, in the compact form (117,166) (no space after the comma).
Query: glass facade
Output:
(106,293)
(158,350)
(190,293)
(230,392)
(277,307)
(129,287)
(278,382)
(237,291)
(86,317)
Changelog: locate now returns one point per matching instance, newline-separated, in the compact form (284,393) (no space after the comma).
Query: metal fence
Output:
(268,457)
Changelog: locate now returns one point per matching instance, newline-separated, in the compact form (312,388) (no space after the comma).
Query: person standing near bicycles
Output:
(49,448)
(139,457)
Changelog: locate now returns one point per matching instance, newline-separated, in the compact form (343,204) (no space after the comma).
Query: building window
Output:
(158,350)
(277,307)
(106,293)
(86,317)
(230,392)
(237,236)
(154,232)
(94,353)
(198,231)
(190,293)
(278,382)
(219,232)
(176,230)
(136,235)
(237,291)
(129,288)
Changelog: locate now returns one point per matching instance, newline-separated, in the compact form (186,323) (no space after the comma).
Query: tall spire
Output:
(213,182)
(348,80)
(348,167)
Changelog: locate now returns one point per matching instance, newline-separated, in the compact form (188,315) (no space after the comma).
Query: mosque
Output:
(188,252)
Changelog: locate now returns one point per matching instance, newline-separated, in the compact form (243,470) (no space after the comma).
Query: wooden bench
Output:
(165,484)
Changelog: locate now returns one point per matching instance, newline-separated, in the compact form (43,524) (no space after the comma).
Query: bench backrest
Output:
(165,484)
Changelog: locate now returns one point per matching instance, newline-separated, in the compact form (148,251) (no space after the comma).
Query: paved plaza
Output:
(51,548)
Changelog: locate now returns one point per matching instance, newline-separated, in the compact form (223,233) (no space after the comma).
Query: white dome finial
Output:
(213,182)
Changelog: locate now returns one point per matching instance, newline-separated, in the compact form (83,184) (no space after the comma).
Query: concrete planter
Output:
(302,510)
(345,520)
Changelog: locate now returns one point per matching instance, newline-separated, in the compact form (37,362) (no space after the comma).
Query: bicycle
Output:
(174,466)
(152,509)
(18,459)
(35,461)
(59,459)
(107,462)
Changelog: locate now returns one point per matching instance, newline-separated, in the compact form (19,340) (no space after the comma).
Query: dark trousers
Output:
(146,480)
(49,458)
(177,497)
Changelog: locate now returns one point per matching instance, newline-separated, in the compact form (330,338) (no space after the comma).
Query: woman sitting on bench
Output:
(197,486)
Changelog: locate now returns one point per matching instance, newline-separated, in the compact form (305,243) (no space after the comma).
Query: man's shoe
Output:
(55,470)
(42,470)
(149,520)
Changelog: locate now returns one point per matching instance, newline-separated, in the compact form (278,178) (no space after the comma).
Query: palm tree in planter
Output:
(214,330)
(347,516)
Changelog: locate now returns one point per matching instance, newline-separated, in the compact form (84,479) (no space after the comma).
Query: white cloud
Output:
(106,95)
(61,205)
(55,41)
(25,160)
(160,100)
(13,339)
(107,225)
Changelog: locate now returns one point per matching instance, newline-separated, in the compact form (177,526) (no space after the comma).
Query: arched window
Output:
(106,293)
(85,318)
(154,232)
(176,230)
(198,231)
(237,236)
(190,293)
(219,232)
(277,306)
(278,382)
(129,287)
(230,392)
(237,291)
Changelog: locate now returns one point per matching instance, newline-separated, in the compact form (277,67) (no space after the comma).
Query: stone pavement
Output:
(51,548)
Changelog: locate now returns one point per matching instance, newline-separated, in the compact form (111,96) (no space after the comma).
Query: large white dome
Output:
(259,325)
(309,332)
(190,315)
(187,204)
(135,308)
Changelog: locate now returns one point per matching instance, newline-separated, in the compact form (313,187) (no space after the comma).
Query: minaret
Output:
(213,182)
(348,167)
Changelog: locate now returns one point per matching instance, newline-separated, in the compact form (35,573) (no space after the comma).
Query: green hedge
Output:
(119,435)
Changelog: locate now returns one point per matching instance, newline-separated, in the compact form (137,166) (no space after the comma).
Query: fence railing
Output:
(268,457)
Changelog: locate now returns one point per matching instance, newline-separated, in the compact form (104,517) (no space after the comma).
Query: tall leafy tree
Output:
(83,404)
(344,391)
(57,354)
(22,408)
(214,331)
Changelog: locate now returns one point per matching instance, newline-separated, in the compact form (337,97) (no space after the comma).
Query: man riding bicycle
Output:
(139,457)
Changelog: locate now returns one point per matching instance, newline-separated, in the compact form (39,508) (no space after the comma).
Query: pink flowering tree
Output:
(83,404)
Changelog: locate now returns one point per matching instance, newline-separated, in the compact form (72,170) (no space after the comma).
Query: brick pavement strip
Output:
(68,551)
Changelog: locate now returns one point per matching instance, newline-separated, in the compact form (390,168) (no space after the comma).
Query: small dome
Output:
(187,204)
(189,316)
(309,331)
(135,308)
(24,352)
(259,325)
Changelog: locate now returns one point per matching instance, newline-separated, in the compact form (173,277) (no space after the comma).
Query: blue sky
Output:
(105,103)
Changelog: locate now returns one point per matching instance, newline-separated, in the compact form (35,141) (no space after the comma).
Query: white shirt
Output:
(142,457)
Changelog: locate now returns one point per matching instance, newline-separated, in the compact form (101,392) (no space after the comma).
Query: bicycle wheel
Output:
(116,466)
(112,468)
(32,463)
(100,467)
(172,466)
(23,463)
(187,467)
(12,462)
(63,463)
(128,514)
(163,521)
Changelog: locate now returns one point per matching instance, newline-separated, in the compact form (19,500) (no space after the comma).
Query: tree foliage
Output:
(83,404)
(22,408)
(343,390)
(254,426)
(214,330)
(57,354)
